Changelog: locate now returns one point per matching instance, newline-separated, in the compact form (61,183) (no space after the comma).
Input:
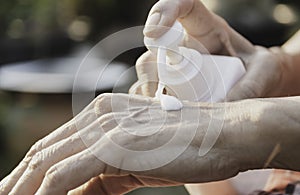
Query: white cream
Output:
(169,103)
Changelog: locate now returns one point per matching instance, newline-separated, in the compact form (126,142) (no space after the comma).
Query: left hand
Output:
(83,150)
(121,142)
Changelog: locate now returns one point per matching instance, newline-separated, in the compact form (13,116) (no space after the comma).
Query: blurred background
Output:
(43,41)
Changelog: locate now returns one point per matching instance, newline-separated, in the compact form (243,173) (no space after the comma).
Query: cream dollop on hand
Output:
(169,103)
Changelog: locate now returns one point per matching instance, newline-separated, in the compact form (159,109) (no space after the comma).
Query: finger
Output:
(135,89)
(279,179)
(104,184)
(85,137)
(145,88)
(71,173)
(9,181)
(98,107)
(82,119)
(83,159)
(63,176)
(109,185)
(146,68)
(204,29)
(61,133)
(163,14)
(43,160)
(130,104)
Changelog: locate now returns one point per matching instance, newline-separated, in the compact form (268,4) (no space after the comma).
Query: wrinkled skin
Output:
(268,74)
(49,166)
(53,164)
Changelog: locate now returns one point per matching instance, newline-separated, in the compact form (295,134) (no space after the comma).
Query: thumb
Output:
(108,185)
(119,184)
(163,14)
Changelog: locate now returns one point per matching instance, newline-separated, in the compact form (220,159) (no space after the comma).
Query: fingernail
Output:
(153,19)
(151,22)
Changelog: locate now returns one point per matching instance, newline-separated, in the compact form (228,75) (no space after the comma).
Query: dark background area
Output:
(32,29)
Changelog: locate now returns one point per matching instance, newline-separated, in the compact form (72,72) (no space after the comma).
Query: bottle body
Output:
(206,78)
(227,71)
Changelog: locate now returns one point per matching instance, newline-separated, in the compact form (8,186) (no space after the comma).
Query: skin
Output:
(271,72)
(244,144)
(256,133)
(279,179)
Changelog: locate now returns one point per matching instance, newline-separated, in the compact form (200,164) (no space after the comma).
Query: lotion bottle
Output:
(188,75)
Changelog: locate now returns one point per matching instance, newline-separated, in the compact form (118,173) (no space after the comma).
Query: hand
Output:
(207,32)
(83,150)
(279,179)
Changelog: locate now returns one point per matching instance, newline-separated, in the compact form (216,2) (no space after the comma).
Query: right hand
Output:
(279,179)
(207,32)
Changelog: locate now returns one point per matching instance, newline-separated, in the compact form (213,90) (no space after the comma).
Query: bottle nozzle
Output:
(169,41)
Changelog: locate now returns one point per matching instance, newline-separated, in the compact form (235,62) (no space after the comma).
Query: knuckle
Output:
(146,67)
(223,23)
(107,121)
(103,98)
(3,185)
(36,161)
(140,61)
(34,149)
(103,103)
(52,176)
(145,57)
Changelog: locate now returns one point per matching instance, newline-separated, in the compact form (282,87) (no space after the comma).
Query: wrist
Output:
(248,121)
(283,123)
(269,134)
